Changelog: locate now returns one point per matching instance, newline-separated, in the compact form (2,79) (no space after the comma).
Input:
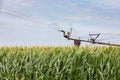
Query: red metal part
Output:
(77,43)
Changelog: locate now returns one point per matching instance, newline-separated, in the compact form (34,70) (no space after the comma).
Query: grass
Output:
(60,63)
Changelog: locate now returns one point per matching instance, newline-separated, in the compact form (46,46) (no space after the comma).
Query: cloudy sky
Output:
(35,22)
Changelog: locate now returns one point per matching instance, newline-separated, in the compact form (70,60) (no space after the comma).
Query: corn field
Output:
(60,63)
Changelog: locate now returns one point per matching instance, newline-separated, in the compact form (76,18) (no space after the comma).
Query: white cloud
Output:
(73,4)
(100,11)
(18,3)
(19,15)
(107,3)
(78,17)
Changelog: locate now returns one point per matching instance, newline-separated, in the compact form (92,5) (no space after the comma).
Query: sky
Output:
(36,22)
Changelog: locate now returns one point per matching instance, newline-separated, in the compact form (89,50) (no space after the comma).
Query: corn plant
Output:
(59,63)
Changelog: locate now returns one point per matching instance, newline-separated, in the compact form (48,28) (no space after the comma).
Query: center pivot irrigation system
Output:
(93,38)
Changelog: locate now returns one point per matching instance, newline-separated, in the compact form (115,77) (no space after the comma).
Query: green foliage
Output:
(60,63)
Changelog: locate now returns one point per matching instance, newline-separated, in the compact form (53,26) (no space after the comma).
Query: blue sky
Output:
(35,22)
